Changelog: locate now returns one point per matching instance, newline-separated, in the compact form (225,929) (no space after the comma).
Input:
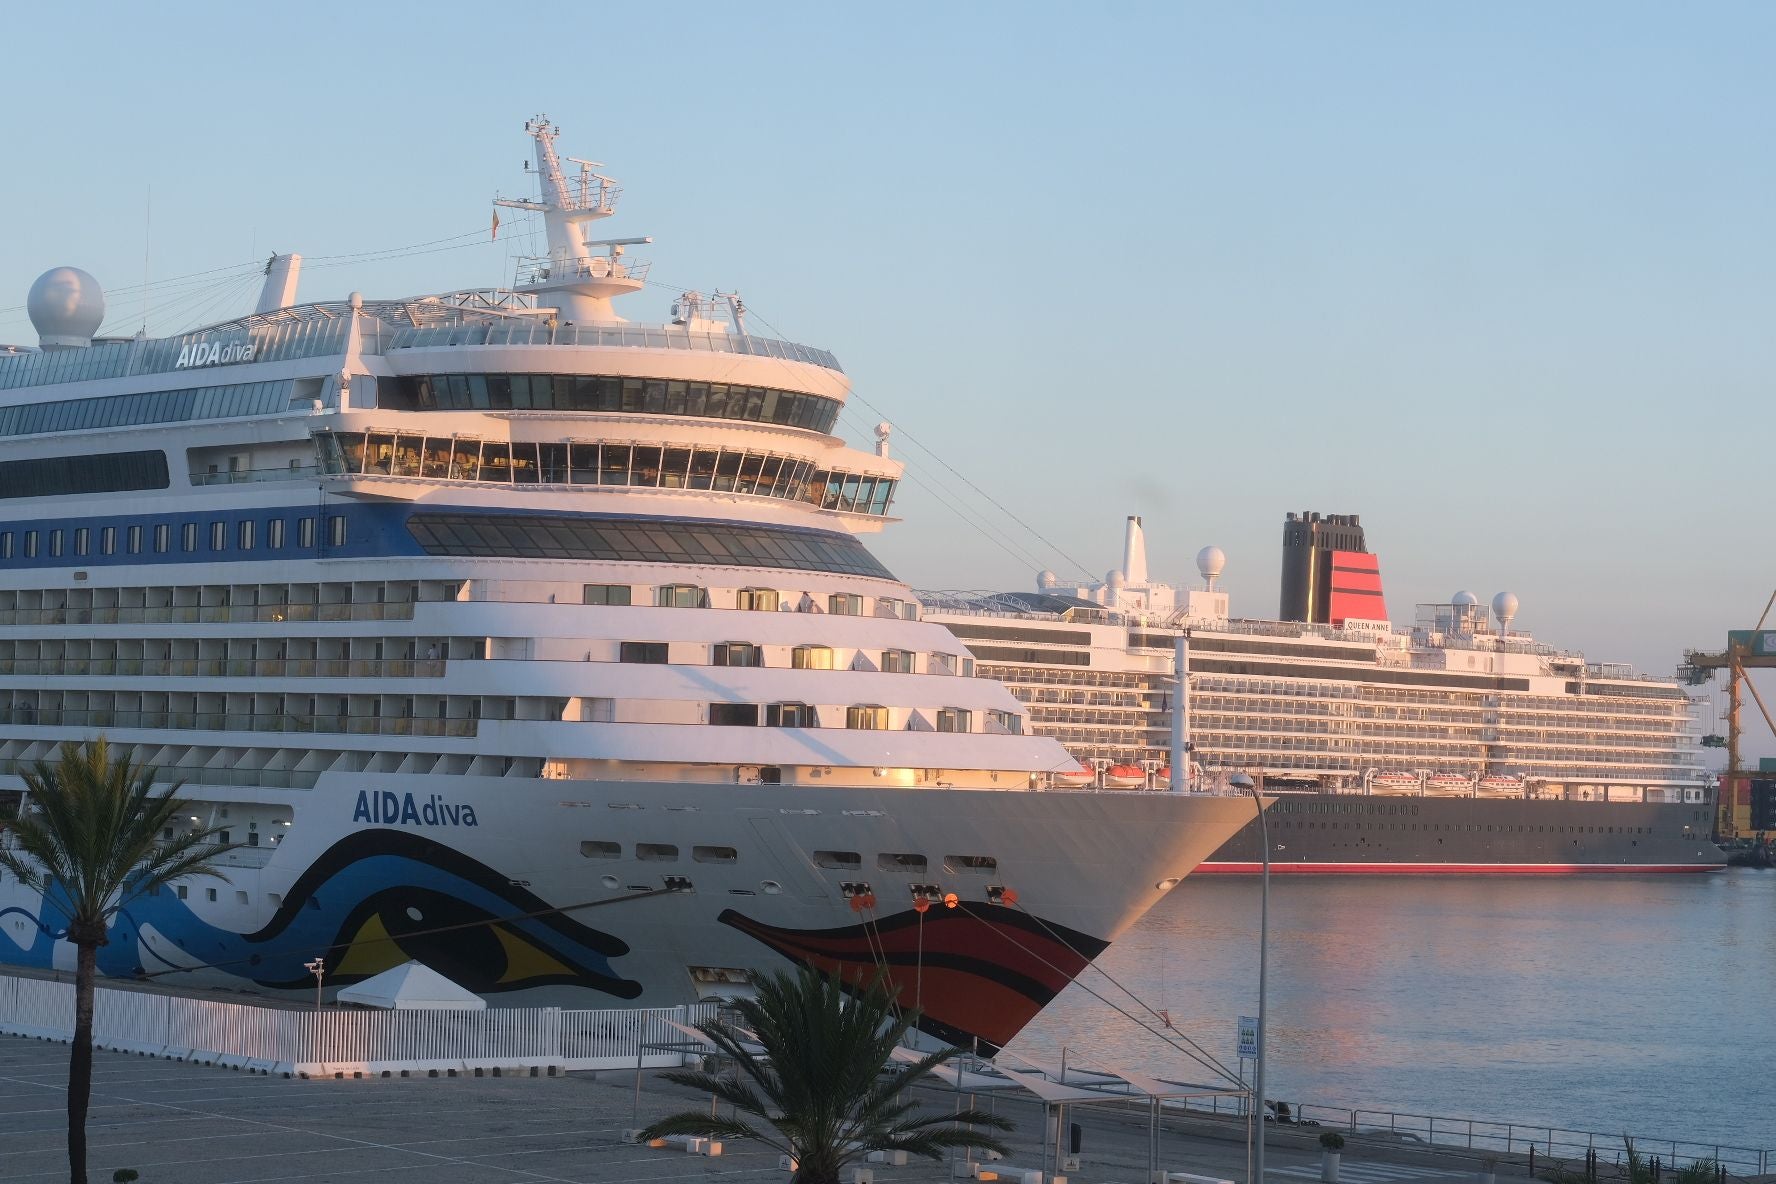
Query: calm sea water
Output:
(1644,1004)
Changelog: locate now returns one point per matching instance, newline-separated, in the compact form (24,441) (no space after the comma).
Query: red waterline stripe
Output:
(1462,869)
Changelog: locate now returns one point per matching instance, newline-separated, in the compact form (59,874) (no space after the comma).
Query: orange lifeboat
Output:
(1125,777)
(1076,778)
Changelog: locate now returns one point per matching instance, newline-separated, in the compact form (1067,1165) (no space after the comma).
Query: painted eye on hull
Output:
(465,944)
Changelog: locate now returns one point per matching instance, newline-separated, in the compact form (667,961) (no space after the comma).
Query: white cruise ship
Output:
(534,644)
(1458,744)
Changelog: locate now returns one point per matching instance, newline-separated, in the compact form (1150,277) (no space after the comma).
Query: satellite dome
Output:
(1114,578)
(1464,600)
(1504,607)
(66,306)
(1211,562)
(1046,580)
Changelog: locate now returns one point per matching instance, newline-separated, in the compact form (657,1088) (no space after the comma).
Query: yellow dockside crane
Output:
(1747,803)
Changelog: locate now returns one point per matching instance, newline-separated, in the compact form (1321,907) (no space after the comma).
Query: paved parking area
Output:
(189,1124)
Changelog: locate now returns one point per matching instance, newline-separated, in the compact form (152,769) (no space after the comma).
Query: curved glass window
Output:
(592,392)
(643,540)
(725,470)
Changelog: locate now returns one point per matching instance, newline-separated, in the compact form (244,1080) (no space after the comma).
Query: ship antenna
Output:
(571,278)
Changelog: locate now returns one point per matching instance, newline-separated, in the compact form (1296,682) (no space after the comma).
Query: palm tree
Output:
(90,842)
(821,1082)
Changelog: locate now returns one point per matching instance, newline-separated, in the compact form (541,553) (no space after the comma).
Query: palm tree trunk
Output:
(80,1060)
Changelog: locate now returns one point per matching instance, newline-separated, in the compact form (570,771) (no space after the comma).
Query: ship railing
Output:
(1487,1138)
(229,667)
(209,614)
(528,331)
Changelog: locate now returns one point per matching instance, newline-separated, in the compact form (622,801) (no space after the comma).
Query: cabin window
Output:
(218,536)
(606,594)
(867,717)
(838,860)
(657,852)
(843,604)
(600,849)
(976,864)
(811,657)
(897,661)
(894,861)
(737,653)
(790,715)
(954,719)
(757,599)
(704,854)
(734,715)
(679,596)
(645,652)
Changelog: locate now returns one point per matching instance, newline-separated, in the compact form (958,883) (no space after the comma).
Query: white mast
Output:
(571,278)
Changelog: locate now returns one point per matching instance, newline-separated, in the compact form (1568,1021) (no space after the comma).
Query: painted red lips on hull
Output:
(976,972)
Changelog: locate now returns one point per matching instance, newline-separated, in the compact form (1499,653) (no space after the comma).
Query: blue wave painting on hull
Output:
(374,900)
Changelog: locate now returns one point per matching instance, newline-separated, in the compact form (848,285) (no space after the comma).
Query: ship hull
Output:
(1324,834)
(528,906)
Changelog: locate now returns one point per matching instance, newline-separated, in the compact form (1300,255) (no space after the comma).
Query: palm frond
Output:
(94,838)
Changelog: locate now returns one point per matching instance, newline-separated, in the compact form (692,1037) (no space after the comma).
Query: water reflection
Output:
(1608,1004)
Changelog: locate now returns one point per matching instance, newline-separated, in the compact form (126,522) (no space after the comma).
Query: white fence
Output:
(350,1043)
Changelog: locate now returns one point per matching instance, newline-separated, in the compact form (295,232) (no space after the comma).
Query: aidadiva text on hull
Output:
(539,645)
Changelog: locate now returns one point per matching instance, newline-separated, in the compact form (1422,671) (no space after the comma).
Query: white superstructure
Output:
(535,644)
(1458,703)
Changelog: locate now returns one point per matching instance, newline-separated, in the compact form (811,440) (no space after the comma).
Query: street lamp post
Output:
(1245,784)
(318,968)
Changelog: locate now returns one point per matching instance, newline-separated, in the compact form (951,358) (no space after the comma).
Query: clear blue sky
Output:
(1497,277)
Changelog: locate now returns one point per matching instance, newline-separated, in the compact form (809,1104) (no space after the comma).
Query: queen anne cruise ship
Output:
(1458,744)
(534,644)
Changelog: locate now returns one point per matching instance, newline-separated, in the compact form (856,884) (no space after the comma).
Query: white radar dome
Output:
(1047,579)
(1211,562)
(1114,578)
(1504,607)
(1464,600)
(66,306)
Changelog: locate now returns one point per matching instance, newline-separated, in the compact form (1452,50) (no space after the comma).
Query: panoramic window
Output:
(897,661)
(736,653)
(642,540)
(588,392)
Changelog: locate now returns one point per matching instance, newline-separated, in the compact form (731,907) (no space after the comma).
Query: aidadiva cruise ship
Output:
(537,645)
(1460,744)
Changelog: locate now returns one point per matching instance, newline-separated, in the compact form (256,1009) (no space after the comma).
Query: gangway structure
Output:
(1747,802)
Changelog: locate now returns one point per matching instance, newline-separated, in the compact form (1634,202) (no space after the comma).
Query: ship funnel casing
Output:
(66,306)
(1134,554)
(281,277)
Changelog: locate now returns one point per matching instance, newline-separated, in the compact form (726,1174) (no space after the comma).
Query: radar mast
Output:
(571,277)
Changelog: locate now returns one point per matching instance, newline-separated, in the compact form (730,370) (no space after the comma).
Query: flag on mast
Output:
(496,224)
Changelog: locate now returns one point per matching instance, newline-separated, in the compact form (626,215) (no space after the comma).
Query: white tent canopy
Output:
(412,986)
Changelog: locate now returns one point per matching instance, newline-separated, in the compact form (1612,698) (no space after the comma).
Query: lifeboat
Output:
(1394,781)
(1501,783)
(1125,777)
(1076,778)
(1448,782)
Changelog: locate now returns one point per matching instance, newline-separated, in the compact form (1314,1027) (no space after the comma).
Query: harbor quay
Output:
(183,1123)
